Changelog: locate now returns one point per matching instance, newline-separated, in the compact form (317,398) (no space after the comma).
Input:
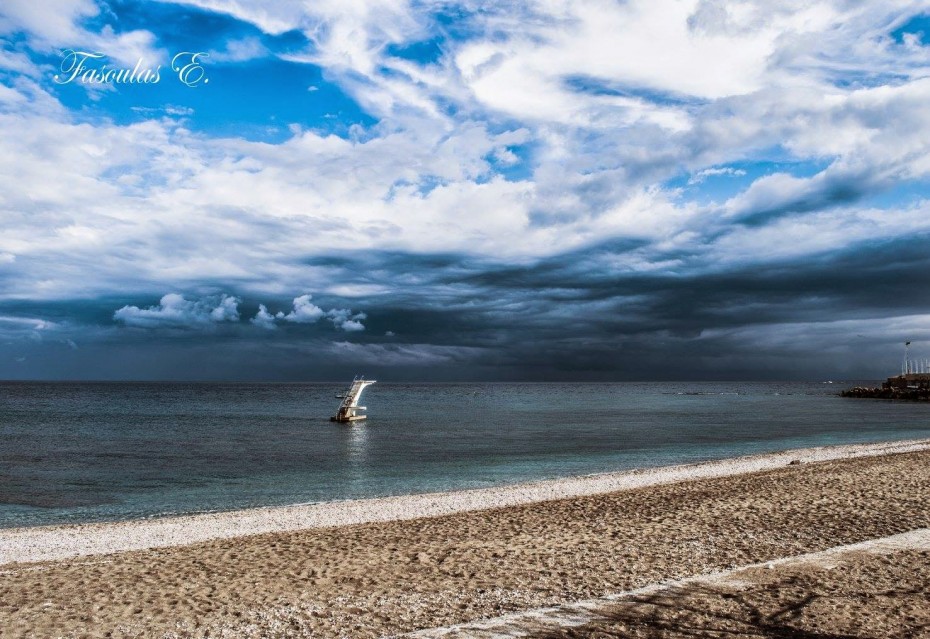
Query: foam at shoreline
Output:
(62,542)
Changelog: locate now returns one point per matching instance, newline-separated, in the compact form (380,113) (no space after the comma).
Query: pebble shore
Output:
(60,542)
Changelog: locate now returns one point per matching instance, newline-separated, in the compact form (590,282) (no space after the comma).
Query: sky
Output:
(590,190)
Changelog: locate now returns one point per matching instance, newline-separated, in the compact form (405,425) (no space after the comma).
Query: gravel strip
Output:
(60,542)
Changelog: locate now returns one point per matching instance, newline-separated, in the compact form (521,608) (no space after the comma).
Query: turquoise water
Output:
(89,452)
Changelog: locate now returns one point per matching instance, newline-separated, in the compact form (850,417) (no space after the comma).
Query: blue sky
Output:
(670,189)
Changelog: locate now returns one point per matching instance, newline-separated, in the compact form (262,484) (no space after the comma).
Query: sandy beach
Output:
(398,565)
(868,589)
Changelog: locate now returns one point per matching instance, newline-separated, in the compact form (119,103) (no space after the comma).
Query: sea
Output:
(86,452)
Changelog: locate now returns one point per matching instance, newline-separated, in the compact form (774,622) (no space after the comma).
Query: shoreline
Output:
(50,543)
(387,578)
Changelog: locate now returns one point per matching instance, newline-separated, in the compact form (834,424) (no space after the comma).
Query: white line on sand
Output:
(535,622)
(60,542)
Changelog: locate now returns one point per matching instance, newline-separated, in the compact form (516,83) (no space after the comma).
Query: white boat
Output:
(348,410)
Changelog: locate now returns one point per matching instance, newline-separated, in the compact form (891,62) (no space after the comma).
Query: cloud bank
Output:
(547,189)
(306,312)
(174,311)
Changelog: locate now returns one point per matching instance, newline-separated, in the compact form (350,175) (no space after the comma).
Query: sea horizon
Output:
(346,382)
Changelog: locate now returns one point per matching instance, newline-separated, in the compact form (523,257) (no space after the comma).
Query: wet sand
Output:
(391,577)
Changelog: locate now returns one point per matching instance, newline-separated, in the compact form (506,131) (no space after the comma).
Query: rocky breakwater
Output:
(911,387)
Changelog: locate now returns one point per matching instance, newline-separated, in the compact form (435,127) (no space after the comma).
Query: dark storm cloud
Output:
(564,317)
(574,315)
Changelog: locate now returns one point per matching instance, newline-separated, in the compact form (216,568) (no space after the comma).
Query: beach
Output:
(399,565)
(874,588)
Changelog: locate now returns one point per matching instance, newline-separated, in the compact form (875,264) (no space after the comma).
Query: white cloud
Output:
(263,318)
(305,311)
(176,311)
(30,323)
(179,111)
(239,51)
(55,23)
(702,175)
(815,234)
(57,26)
(351,325)
(356,290)
(344,319)
(18,62)
(274,19)
(226,311)
(30,329)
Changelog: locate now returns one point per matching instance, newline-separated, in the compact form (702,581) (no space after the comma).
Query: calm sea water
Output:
(89,452)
